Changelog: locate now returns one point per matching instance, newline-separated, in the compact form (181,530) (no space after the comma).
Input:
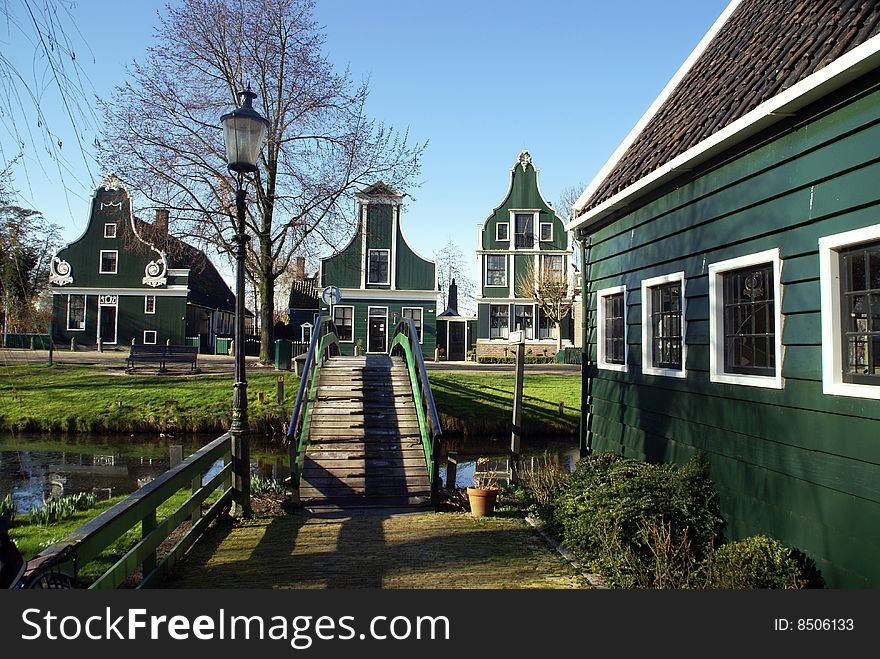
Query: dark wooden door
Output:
(108,324)
(457,348)
(376,331)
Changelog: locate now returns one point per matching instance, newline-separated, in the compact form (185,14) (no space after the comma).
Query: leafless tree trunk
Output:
(163,135)
(551,290)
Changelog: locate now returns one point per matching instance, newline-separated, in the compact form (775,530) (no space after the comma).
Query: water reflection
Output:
(34,468)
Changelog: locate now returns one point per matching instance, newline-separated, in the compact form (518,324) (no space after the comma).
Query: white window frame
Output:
(421,311)
(388,273)
(503,337)
(310,327)
(333,318)
(85,313)
(600,330)
(648,327)
(716,320)
(486,274)
(541,226)
(107,226)
(155,337)
(832,333)
(115,270)
(370,316)
(499,238)
(535,228)
(146,301)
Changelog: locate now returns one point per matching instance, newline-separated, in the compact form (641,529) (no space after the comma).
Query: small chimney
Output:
(452,297)
(161,222)
(300,268)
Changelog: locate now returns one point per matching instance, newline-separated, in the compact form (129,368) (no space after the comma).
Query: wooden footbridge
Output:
(364,433)
(364,430)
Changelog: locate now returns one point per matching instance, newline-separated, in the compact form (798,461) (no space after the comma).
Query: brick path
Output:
(374,550)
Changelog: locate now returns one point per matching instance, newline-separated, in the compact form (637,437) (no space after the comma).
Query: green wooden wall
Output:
(794,463)
(361,309)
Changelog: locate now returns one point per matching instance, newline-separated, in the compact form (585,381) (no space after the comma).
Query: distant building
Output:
(732,247)
(381,278)
(523,229)
(303,305)
(456,334)
(126,281)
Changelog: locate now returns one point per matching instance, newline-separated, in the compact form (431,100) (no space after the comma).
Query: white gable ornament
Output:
(59,272)
(525,159)
(155,271)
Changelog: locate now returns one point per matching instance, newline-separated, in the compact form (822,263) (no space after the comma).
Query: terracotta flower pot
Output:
(482,501)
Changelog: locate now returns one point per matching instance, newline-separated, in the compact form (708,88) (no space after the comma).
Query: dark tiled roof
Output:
(765,47)
(304,294)
(379,189)
(207,287)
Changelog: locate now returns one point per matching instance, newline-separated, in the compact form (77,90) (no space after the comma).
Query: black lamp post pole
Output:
(240,429)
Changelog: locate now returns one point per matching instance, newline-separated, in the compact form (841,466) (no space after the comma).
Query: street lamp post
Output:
(244,132)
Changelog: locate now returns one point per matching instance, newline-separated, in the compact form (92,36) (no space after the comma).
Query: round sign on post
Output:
(330,296)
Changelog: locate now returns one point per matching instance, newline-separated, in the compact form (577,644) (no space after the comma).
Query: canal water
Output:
(35,467)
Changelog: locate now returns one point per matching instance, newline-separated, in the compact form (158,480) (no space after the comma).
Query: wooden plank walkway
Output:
(364,446)
(374,549)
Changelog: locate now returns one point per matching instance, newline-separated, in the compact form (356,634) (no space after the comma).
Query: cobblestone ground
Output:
(374,550)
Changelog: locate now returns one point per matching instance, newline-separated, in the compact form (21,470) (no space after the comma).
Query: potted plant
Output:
(483,495)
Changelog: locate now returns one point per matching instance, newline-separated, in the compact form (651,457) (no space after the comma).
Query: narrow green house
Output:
(381,279)
(125,281)
(522,236)
(732,271)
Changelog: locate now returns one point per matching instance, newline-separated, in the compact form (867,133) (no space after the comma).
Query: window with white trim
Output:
(110,230)
(496,270)
(416,314)
(502,232)
(524,230)
(76,312)
(499,327)
(107,264)
(523,319)
(149,337)
(149,304)
(745,320)
(849,277)
(546,232)
(553,267)
(663,325)
(611,348)
(546,327)
(343,318)
(377,266)
(305,332)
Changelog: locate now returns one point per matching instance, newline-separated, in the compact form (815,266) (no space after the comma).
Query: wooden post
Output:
(516,431)
(148,523)
(451,469)
(280,389)
(175,455)
(561,408)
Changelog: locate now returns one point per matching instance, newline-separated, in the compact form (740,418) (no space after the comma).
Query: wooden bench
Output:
(163,355)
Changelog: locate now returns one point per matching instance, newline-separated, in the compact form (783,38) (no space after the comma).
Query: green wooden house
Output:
(732,244)
(126,281)
(523,231)
(381,279)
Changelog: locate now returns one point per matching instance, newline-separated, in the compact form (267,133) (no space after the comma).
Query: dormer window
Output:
(110,230)
(377,266)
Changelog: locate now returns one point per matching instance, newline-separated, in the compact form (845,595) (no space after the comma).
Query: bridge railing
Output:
(324,344)
(405,342)
(196,474)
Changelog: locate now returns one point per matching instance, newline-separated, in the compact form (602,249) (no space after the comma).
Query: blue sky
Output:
(478,80)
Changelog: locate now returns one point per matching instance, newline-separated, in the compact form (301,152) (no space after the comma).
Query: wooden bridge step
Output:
(369,482)
(343,503)
(306,492)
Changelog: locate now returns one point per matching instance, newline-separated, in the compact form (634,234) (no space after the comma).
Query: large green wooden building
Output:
(523,231)
(733,303)
(127,281)
(381,279)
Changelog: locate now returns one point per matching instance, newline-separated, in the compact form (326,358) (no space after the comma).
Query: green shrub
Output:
(7,507)
(633,522)
(529,359)
(755,562)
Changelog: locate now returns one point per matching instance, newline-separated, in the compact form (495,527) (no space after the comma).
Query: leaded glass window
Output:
(749,321)
(860,305)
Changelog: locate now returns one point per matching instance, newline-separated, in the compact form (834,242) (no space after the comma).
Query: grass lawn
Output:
(31,539)
(83,398)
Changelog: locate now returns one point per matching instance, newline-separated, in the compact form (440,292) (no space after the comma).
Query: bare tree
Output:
(451,266)
(26,245)
(551,289)
(163,136)
(41,51)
